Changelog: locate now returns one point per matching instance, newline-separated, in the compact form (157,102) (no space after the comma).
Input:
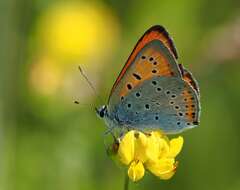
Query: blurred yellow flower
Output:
(72,30)
(45,77)
(69,34)
(152,151)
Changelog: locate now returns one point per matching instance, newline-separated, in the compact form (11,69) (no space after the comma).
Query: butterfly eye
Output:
(101,113)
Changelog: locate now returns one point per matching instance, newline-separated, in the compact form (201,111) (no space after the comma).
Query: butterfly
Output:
(153,91)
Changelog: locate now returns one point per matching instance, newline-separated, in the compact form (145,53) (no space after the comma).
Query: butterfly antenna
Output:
(89,83)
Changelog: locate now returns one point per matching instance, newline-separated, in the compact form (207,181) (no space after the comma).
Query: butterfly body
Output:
(153,91)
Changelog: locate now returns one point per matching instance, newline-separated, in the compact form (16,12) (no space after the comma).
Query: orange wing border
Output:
(188,77)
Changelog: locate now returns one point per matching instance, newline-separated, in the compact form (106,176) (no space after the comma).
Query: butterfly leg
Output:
(123,130)
(116,134)
(110,129)
(128,128)
(112,141)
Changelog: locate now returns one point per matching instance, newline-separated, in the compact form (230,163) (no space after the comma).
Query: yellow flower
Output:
(77,30)
(152,151)
(136,170)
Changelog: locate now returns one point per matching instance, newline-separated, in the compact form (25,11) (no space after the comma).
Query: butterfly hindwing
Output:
(188,77)
(163,103)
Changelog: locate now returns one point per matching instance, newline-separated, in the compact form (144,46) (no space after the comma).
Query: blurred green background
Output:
(47,142)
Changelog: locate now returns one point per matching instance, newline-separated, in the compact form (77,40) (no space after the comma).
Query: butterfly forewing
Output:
(153,60)
(154,33)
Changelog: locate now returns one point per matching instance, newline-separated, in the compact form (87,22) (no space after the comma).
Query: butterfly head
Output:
(102,111)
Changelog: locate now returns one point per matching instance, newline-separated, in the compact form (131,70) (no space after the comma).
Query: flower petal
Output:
(162,168)
(157,134)
(136,171)
(167,175)
(126,148)
(152,150)
(140,146)
(175,147)
(163,148)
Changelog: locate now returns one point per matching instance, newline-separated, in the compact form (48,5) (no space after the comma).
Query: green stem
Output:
(126,182)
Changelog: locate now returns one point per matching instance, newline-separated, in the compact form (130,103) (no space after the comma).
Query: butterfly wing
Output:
(150,92)
(188,77)
(154,33)
(154,55)
(166,103)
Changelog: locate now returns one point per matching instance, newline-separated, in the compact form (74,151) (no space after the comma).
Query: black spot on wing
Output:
(137,76)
